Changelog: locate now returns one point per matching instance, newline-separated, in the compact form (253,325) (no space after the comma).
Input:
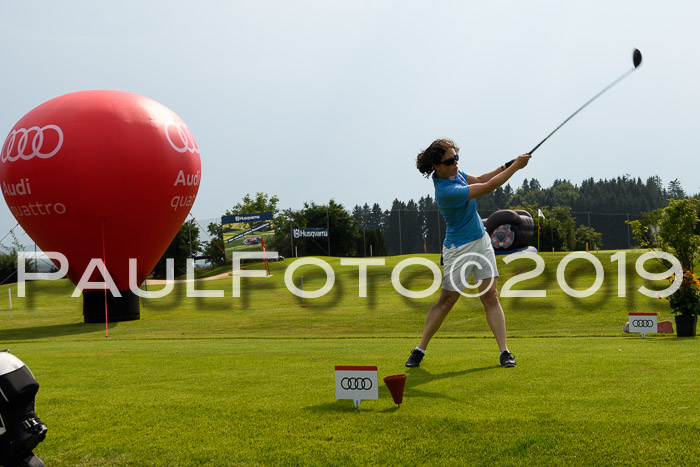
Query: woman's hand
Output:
(521,161)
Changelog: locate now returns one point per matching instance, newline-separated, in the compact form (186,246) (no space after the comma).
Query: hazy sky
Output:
(320,99)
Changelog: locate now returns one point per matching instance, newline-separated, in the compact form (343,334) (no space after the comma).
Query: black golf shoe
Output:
(415,358)
(507,360)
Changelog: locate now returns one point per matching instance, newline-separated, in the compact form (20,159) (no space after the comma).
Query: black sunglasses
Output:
(450,161)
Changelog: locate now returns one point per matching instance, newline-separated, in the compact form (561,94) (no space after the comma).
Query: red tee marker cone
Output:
(396,383)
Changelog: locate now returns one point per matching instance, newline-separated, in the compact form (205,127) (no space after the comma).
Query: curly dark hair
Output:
(433,155)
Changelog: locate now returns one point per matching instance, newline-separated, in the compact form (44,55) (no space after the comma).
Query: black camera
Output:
(20,429)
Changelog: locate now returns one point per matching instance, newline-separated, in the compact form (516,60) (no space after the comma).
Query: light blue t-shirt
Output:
(463,222)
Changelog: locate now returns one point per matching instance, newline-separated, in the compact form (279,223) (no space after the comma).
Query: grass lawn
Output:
(249,380)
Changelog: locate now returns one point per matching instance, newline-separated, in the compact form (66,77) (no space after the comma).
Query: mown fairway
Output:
(226,381)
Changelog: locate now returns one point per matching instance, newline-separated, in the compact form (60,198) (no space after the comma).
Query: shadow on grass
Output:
(418,376)
(424,376)
(57,330)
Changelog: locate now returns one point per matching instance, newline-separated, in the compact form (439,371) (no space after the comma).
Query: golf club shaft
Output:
(582,107)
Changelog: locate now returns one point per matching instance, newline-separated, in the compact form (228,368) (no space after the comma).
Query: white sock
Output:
(506,350)
(420,350)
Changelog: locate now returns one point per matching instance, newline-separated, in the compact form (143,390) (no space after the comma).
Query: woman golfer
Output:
(467,248)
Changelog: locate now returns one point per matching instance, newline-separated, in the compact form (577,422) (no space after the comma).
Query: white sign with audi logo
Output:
(643,323)
(357,383)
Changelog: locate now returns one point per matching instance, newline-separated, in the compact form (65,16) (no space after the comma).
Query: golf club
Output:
(636,61)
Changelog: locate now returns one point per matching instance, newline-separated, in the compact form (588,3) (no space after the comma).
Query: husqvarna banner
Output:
(246,232)
(238,218)
(264,226)
(310,232)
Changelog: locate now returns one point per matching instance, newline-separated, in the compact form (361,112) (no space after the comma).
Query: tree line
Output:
(594,213)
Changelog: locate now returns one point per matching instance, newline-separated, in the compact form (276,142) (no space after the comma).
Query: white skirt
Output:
(476,257)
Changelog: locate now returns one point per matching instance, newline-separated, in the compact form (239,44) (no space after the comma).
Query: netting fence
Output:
(407,232)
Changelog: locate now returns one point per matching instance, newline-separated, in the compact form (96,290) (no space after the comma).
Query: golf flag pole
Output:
(539,214)
(267,266)
(551,231)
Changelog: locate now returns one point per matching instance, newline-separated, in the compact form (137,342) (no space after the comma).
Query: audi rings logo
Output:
(26,143)
(356,383)
(643,323)
(180,137)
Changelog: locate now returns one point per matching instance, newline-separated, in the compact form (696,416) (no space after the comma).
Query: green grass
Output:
(267,309)
(249,381)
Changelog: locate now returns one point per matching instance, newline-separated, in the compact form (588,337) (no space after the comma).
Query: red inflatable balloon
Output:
(98,172)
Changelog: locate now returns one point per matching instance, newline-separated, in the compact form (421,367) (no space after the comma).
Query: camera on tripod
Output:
(20,428)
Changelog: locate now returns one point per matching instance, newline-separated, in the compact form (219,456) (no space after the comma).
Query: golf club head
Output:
(637,58)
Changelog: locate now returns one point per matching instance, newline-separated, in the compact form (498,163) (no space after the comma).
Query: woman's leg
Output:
(494,312)
(437,315)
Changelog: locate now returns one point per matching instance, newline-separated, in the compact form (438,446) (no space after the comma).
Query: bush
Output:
(8,261)
(677,231)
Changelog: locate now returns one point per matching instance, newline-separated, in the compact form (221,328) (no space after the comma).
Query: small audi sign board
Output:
(643,323)
(357,383)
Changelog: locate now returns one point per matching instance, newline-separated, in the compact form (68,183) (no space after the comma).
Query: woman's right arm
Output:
(480,189)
